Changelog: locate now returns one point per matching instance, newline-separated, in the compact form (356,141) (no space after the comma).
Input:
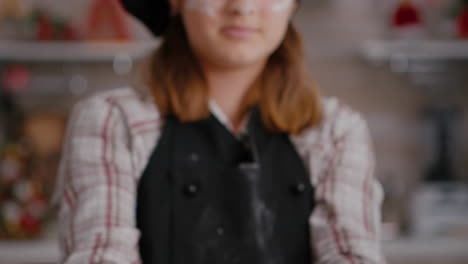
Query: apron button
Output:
(190,190)
(194,158)
(298,189)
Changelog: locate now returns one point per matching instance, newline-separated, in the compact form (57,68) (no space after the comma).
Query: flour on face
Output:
(210,7)
(281,5)
(207,7)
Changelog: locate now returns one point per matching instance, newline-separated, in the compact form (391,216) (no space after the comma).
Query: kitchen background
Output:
(403,64)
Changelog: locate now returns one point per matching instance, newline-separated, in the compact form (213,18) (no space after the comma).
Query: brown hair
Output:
(287,97)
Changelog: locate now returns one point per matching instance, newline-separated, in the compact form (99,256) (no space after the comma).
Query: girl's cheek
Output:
(206,7)
(280,6)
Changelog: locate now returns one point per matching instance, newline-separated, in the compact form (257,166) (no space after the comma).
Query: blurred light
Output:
(123,64)
(78,84)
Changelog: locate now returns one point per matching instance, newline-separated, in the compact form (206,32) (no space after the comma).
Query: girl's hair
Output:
(287,97)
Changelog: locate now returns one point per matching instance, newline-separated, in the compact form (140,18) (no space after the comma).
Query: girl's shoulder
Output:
(340,124)
(135,106)
(337,120)
(138,106)
(138,109)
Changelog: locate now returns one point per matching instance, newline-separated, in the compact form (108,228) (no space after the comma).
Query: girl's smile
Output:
(239,32)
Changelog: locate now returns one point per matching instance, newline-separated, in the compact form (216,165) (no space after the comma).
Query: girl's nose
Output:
(242,7)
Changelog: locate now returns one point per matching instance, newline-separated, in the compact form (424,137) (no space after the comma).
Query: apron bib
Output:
(207,197)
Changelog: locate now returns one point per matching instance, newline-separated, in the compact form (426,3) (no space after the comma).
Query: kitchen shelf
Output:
(427,249)
(85,52)
(431,50)
(43,250)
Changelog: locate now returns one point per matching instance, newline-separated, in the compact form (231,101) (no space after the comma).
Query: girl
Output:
(225,154)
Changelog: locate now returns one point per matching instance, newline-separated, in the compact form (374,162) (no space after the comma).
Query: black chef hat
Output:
(155,14)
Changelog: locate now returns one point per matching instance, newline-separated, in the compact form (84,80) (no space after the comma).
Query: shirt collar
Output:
(216,110)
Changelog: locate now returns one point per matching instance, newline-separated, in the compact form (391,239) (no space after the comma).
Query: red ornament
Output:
(406,14)
(69,33)
(16,78)
(30,224)
(45,29)
(462,24)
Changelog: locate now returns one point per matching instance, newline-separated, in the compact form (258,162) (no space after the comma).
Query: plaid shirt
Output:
(110,138)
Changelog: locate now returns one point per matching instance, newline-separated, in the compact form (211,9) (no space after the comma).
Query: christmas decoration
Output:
(406,14)
(407,21)
(50,28)
(106,21)
(33,23)
(29,154)
(23,202)
(16,78)
(458,12)
(462,23)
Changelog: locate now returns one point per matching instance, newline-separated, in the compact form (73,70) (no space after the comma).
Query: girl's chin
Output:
(230,62)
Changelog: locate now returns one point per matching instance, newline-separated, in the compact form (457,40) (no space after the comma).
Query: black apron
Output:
(207,197)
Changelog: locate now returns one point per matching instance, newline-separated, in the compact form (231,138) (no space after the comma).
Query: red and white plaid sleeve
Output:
(346,221)
(96,188)
(345,225)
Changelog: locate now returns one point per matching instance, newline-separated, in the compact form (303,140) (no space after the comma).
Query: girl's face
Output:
(233,33)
